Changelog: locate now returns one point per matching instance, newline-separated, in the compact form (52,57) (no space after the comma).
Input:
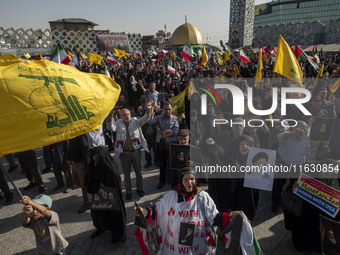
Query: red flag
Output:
(267,48)
(262,51)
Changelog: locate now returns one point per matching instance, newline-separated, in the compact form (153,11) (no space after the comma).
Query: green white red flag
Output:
(114,60)
(244,57)
(60,56)
(171,69)
(187,51)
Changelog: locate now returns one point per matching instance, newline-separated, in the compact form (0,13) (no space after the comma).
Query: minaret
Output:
(241,23)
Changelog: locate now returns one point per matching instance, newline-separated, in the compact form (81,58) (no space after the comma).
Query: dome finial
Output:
(186,19)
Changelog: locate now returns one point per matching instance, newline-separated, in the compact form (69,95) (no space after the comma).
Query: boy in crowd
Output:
(45,224)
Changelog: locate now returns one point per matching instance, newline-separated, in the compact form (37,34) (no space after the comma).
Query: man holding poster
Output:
(320,198)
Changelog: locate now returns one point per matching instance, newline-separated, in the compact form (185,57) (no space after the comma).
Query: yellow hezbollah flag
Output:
(226,56)
(205,58)
(95,58)
(219,58)
(258,75)
(9,57)
(236,70)
(173,54)
(120,53)
(315,83)
(286,63)
(178,102)
(42,102)
(335,86)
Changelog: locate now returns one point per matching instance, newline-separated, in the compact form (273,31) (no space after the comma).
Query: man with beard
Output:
(169,123)
(129,141)
(180,162)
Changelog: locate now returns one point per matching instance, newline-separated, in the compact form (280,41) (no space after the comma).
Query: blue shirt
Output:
(153,96)
(165,124)
(292,150)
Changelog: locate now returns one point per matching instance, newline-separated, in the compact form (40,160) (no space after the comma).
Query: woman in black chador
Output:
(229,193)
(103,172)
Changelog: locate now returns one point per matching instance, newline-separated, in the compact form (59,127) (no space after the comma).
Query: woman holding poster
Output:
(183,219)
(233,193)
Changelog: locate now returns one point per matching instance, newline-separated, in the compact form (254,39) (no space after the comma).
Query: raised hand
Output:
(150,106)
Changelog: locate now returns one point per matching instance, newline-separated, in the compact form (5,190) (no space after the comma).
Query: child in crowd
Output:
(45,224)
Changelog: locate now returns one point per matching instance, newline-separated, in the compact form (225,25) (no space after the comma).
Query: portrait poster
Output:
(105,199)
(321,129)
(235,39)
(259,169)
(179,155)
(318,194)
(186,234)
(330,236)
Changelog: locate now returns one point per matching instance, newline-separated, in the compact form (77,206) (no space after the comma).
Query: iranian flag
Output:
(138,54)
(60,56)
(199,58)
(227,48)
(107,73)
(164,52)
(171,69)
(316,58)
(152,53)
(244,57)
(187,51)
(114,60)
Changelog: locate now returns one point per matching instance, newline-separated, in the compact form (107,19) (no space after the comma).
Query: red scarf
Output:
(188,196)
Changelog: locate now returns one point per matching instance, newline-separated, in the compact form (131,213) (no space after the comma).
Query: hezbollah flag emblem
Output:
(42,102)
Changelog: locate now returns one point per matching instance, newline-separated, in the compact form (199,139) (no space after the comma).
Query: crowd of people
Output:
(142,123)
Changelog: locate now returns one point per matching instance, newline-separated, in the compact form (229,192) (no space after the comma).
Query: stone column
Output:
(241,22)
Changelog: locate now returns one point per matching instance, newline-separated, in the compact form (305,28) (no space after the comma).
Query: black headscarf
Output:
(182,192)
(235,154)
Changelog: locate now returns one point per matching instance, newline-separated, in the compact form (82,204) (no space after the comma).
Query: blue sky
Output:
(145,17)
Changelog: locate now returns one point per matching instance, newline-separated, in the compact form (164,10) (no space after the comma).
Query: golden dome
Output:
(186,33)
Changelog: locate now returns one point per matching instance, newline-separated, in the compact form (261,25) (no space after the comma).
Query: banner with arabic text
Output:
(319,194)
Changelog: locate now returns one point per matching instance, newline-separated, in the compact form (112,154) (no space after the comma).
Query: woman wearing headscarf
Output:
(238,196)
(187,207)
(103,172)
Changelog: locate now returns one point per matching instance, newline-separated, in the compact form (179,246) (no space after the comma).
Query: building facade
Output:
(303,22)
(74,24)
(280,12)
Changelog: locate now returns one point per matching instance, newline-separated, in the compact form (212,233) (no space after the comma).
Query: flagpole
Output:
(10,179)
